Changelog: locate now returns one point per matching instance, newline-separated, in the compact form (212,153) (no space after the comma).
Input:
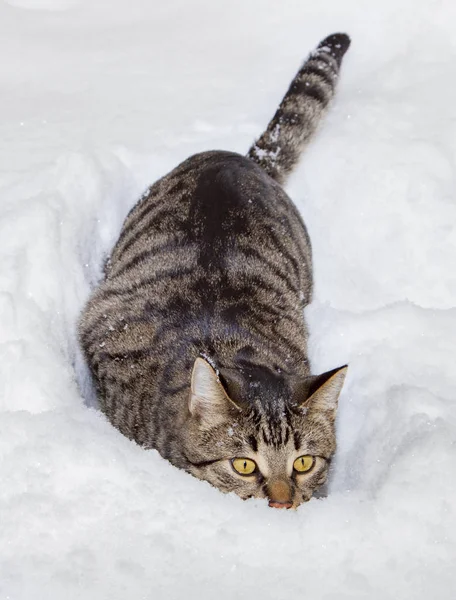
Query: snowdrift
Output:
(98,100)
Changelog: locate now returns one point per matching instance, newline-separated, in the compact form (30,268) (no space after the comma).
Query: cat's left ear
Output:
(321,392)
(208,400)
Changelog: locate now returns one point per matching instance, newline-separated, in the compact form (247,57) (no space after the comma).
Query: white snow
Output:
(98,100)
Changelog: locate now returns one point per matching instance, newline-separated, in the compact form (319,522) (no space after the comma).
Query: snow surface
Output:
(100,98)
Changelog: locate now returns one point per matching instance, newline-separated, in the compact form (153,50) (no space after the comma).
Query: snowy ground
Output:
(97,100)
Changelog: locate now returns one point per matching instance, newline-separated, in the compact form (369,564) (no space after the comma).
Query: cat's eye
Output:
(244,466)
(303,464)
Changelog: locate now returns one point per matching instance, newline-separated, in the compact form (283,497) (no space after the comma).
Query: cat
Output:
(196,337)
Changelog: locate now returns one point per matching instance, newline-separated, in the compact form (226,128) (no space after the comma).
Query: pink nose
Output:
(275,504)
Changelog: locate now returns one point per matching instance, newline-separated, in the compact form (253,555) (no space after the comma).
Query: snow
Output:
(98,100)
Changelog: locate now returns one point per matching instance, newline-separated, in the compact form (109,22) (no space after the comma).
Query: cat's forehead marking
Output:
(297,439)
(252,441)
(275,431)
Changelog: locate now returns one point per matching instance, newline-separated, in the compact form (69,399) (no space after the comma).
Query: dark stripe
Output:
(155,195)
(203,463)
(141,420)
(255,418)
(282,345)
(146,203)
(143,283)
(284,218)
(269,342)
(265,285)
(317,70)
(284,276)
(159,194)
(297,440)
(299,232)
(275,435)
(149,253)
(145,228)
(261,308)
(318,94)
(303,88)
(253,442)
(279,246)
(129,354)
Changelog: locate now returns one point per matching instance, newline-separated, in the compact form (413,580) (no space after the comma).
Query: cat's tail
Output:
(277,151)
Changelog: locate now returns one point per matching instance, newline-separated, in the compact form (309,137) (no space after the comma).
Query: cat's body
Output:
(196,337)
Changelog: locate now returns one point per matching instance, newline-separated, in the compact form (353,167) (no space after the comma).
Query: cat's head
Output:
(262,434)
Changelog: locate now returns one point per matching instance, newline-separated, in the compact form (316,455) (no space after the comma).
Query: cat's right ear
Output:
(208,399)
(321,392)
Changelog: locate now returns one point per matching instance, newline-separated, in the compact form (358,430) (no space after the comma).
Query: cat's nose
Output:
(279,494)
(275,504)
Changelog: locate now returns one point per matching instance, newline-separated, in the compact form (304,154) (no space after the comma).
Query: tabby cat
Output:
(196,337)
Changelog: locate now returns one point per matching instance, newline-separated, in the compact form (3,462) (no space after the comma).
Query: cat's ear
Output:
(321,392)
(208,399)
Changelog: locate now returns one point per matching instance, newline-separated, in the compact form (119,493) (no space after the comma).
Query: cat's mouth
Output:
(275,504)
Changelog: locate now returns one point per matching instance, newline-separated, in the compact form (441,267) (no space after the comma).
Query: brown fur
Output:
(196,337)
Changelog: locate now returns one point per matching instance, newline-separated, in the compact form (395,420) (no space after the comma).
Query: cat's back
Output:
(214,245)
(215,208)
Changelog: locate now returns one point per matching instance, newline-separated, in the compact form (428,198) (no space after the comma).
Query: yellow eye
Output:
(244,466)
(303,464)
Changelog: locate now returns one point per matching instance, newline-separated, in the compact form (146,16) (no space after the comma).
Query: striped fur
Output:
(214,261)
(278,150)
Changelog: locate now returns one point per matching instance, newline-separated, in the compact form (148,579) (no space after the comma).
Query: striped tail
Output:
(278,150)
